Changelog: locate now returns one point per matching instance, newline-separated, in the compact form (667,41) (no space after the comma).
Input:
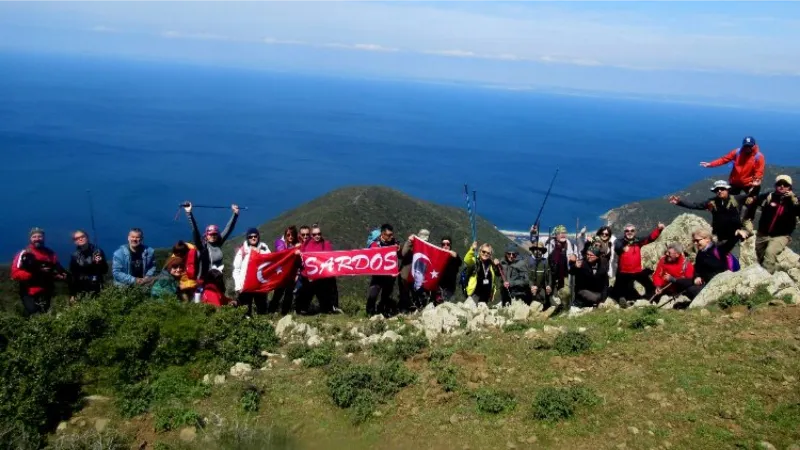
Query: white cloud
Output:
(361,47)
(455,53)
(172,34)
(273,41)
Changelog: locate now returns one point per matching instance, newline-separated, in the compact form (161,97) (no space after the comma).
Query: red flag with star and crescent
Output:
(427,265)
(267,272)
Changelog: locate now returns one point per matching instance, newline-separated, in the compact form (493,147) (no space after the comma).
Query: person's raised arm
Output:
(196,236)
(720,161)
(230,225)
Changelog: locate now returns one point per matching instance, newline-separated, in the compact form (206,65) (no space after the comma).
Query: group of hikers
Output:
(194,271)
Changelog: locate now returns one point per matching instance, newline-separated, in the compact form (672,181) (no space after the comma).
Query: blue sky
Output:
(737,53)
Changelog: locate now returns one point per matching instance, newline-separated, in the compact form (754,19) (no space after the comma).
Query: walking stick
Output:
(91,215)
(546,196)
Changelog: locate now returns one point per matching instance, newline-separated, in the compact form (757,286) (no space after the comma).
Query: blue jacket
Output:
(121,265)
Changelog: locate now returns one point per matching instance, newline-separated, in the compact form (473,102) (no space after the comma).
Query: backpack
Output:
(374,235)
(733,262)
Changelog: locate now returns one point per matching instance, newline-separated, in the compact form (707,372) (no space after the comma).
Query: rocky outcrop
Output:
(745,282)
(680,230)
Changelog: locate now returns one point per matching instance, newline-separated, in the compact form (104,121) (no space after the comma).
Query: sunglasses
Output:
(316,234)
(604,234)
(484,252)
(697,241)
(511,254)
(630,231)
(213,235)
(783,184)
(445,244)
(303,234)
(252,236)
(720,189)
(78,238)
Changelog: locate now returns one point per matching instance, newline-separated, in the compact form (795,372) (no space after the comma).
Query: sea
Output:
(130,140)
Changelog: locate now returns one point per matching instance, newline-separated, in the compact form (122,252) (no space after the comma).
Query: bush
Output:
(760,296)
(447,377)
(494,401)
(250,399)
(174,416)
(647,318)
(105,440)
(572,343)
(440,355)
(554,404)
(363,387)
(297,351)
(351,347)
(375,327)
(319,356)
(402,349)
(515,326)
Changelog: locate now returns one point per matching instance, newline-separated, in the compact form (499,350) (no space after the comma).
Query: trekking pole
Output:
(572,277)
(474,215)
(184,205)
(662,290)
(91,215)
(546,196)
(469,213)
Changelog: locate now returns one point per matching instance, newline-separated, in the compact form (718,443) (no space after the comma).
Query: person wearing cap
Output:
(87,266)
(449,276)
(629,268)
(383,285)
(167,285)
(748,166)
(210,244)
(133,264)
(591,279)
(516,277)
(481,273)
(725,210)
(560,250)
(251,244)
(779,212)
(539,270)
(36,268)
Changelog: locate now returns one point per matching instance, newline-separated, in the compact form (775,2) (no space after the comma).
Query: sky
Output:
(737,53)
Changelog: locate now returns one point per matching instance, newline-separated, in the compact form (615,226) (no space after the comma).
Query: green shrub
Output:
(363,387)
(648,317)
(541,344)
(351,347)
(554,404)
(494,401)
(250,399)
(440,355)
(514,327)
(297,351)
(572,343)
(364,406)
(402,349)
(375,327)
(447,377)
(174,416)
(319,356)
(759,296)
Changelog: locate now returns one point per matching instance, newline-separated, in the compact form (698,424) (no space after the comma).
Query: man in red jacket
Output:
(629,268)
(36,268)
(748,166)
(672,266)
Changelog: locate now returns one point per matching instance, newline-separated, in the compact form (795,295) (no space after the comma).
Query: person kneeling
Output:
(711,260)
(168,283)
(591,279)
(214,290)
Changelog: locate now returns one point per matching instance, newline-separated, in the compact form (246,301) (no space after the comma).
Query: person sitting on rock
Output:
(711,260)
(779,212)
(748,166)
(516,281)
(591,279)
(671,267)
(629,270)
(725,211)
(481,273)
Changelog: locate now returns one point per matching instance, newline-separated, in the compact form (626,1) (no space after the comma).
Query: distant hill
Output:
(347,215)
(647,213)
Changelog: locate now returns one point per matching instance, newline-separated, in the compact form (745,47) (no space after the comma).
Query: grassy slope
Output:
(717,381)
(647,213)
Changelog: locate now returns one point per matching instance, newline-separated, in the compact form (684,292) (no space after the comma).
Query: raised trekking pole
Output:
(183,205)
(91,215)
(469,213)
(546,196)
(474,215)
(572,277)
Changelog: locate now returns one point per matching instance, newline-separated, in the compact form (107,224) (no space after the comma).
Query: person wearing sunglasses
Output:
(383,285)
(283,296)
(325,289)
(449,277)
(710,261)
(724,208)
(167,284)
(36,268)
(481,273)
(603,242)
(210,244)
(516,277)
(87,265)
(629,269)
(748,167)
(251,244)
(560,250)
(591,279)
(779,212)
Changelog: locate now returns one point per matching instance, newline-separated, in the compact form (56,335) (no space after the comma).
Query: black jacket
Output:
(778,213)
(725,215)
(87,275)
(708,263)
(450,274)
(593,278)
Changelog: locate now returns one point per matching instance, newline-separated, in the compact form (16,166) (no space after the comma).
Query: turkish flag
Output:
(427,265)
(266,272)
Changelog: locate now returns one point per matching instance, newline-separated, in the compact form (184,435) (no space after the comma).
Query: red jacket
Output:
(213,296)
(681,268)
(746,167)
(630,261)
(313,246)
(26,270)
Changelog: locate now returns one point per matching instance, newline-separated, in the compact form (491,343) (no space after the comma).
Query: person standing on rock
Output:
(591,279)
(36,269)
(516,284)
(481,273)
(711,260)
(671,267)
(449,277)
(241,260)
(383,285)
(629,270)
(210,244)
(748,166)
(725,210)
(779,212)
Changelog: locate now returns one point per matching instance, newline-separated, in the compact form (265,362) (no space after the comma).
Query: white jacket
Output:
(240,263)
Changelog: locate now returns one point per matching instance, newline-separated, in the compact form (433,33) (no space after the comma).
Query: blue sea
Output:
(143,136)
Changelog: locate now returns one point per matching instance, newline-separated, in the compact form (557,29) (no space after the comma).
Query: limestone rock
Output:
(390,335)
(641,303)
(519,310)
(764,445)
(788,260)
(240,369)
(608,304)
(742,282)
(314,341)
(62,427)
(747,252)
(680,230)
(284,325)
(188,434)
(376,318)
(795,274)
(576,311)
(779,281)
(791,291)
(100,424)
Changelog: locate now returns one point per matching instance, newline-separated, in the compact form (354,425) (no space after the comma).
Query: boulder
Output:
(470,305)
(795,274)
(314,340)
(641,303)
(680,230)
(791,291)
(219,379)
(240,369)
(519,310)
(747,252)
(779,281)
(788,260)
(284,325)
(743,282)
(390,335)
